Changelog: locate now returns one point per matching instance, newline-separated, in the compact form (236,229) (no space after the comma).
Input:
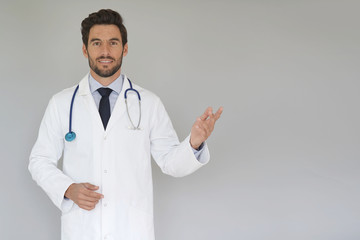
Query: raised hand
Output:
(203,127)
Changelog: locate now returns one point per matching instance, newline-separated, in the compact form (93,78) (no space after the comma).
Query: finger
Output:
(206,114)
(218,113)
(93,194)
(210,125)
(87,204)
(87,198)
(86,207)
(210,111)
(210,122)
(91,186)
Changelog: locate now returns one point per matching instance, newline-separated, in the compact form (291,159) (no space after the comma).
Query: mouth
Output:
(103,61)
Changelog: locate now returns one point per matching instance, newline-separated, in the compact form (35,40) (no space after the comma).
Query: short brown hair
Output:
(103,17)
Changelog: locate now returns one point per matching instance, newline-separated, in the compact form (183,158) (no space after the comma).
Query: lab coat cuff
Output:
(65,203)
(202,155)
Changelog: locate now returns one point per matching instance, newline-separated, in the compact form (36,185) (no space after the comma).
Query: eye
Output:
(96,43)
(113,43)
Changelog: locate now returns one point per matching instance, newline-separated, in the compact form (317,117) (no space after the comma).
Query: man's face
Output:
(105,50)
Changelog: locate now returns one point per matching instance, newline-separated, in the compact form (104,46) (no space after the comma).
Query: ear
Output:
(125,50)
(84,51)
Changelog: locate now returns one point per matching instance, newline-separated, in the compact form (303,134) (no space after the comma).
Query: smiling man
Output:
(105,39)
(107,128)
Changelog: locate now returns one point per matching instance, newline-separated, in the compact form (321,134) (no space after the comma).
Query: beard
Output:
(108,72)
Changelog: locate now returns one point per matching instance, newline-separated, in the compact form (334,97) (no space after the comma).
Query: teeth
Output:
(105,61)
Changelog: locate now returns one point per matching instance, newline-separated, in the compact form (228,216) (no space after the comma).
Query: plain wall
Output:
(284,155)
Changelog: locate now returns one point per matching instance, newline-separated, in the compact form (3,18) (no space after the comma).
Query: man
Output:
(105,187)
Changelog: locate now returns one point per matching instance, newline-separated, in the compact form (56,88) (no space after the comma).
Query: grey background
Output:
(285,154)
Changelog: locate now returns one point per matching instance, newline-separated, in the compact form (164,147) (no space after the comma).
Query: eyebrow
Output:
(98,39)
(95,39)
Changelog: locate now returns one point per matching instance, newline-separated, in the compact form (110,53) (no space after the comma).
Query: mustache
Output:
(105,58)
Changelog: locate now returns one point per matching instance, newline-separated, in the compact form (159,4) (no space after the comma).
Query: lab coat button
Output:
(105,204)
(105,171)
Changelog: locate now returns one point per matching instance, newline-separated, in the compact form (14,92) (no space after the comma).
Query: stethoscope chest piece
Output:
(70,136)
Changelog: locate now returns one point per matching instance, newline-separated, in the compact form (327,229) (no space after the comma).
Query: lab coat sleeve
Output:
(174,158)
(198,153)
(44,158)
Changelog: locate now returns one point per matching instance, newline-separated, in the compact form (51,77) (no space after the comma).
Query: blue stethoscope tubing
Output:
(70,136)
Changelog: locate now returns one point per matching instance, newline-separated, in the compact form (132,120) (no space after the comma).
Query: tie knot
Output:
(104,92)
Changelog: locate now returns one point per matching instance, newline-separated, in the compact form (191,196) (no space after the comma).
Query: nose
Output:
(105,49)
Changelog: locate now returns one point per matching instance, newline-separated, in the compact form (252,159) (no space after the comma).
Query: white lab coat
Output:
(117,160)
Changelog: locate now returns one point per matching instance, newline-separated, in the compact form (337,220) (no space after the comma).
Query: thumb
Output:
(90,186)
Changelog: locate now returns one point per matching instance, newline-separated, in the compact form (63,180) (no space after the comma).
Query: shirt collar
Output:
(115,85)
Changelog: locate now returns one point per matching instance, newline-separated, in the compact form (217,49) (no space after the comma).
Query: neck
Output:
(105,81)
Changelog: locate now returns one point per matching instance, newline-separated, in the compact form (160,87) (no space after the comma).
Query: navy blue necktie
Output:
(104,106)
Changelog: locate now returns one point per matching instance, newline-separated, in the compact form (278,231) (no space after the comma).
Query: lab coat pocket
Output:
(72,224)
(141,224)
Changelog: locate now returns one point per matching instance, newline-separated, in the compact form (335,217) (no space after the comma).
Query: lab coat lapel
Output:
(84,92)
(119,108)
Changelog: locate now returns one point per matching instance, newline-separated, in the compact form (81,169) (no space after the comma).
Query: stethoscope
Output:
(70,136)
